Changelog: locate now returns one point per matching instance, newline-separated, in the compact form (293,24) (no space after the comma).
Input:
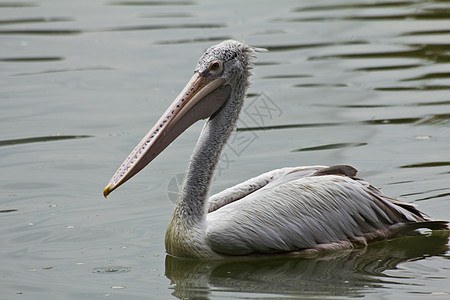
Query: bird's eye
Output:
(215,67)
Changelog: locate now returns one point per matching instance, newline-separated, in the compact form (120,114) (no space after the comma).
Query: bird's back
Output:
(294,209)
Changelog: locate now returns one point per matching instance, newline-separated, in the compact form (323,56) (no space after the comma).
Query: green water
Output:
(365,83)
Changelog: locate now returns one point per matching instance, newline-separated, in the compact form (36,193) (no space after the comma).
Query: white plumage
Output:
(282,211)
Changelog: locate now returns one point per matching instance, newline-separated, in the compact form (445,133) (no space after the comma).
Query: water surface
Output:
(365,83)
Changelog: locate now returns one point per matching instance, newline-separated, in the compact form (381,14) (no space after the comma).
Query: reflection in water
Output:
(384,65)
(343,273)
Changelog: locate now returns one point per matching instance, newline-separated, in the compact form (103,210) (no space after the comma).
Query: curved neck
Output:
(194,191)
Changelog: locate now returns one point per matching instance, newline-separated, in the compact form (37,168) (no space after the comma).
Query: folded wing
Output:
(307,208)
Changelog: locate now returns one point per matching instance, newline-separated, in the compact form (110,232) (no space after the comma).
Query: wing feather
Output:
(291,213)
(241,190)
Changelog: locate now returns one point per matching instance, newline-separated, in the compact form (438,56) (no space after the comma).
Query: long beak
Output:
(200,99)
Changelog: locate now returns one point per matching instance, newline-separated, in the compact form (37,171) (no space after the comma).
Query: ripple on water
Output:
(35,20)
(111,269)
(40,139)
(330,146)
(151,3)
(362,82)
(194,40)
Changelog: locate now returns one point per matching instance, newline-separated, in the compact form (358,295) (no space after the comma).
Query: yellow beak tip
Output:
(106,191)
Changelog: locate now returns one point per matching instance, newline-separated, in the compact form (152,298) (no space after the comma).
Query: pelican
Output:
(284,211)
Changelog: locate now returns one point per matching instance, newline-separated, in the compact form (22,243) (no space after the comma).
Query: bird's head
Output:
(221,68)
(228,61)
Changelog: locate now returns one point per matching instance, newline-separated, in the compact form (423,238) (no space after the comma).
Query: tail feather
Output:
(432,225)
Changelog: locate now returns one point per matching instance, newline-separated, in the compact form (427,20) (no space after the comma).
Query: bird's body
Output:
(292,210)
(282,211)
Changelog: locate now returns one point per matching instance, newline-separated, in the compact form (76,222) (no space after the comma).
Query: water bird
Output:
(287,210)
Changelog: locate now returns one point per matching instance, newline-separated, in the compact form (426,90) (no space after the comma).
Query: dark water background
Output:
(365,83)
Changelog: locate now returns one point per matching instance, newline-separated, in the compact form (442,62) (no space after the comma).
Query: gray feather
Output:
(304,211)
